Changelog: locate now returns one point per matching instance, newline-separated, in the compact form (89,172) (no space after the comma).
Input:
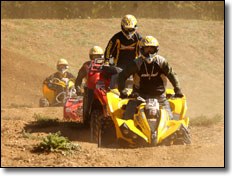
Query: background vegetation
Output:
(206,10)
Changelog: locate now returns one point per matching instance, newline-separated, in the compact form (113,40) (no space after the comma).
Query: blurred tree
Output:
(208,10)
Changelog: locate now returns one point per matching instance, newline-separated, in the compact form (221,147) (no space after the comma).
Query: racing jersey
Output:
(149,79)
(122,50)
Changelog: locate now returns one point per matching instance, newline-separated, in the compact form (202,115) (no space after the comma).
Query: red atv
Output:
(73,109)
(95,101)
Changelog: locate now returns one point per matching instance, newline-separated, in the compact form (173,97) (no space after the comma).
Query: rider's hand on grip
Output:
(123,95)
(178,93)
(78,90)
(133,95)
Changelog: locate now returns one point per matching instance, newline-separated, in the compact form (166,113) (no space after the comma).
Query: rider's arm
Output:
(110,49)
(49,79)
(81,74)
(171,75)
(139,37)
(130,69)
(71,76)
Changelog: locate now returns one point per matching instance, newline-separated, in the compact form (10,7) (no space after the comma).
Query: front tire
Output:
(43,102)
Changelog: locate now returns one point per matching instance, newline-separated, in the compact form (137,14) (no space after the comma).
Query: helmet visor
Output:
(129,31)
(95,56)
(62,68)
(149,50)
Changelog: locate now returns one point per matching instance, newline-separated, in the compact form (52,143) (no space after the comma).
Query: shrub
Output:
(54,142)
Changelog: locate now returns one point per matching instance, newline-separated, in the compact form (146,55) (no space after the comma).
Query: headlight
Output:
(172,137)
(125,131)
(134,136)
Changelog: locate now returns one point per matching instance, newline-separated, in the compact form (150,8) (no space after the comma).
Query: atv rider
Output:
(123,47)
(62,67)
(95,52)
(151,73)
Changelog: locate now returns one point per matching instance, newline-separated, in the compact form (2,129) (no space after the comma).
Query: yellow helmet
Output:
(62,65)
(96,52)
(149,47)
(129,26)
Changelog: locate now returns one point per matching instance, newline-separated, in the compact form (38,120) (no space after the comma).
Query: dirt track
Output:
(21,84)
(206,149)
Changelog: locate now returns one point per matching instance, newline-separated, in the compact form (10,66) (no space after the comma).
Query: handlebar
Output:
(57,79)
(131,96)
(172,96)
(99,65)
(136,96)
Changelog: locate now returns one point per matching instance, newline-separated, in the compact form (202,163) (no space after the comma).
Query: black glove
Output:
(123,95)
(178,93)
(133,95)
(78,90)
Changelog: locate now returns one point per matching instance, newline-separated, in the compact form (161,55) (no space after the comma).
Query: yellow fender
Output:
(49,94)
(166,127)
(142,122)
(131,126)
(178,106)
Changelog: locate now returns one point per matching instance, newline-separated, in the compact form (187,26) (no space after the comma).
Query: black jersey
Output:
(122,50)
(150,79)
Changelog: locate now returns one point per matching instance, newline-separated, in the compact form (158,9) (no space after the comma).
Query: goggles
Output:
(95,56)
(149,50)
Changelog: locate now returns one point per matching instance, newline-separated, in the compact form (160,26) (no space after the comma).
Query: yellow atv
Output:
(58,92)
(150,125)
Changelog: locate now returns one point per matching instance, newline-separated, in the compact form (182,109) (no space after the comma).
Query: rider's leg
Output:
(165,104)
(113,81)
(131,109)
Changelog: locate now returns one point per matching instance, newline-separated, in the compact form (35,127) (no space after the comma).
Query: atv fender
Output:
(131,126)
(167,128)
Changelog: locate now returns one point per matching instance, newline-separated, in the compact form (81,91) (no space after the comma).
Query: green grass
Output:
(13,105)
(54,142)
(205,121)
(30,136)
(45,121)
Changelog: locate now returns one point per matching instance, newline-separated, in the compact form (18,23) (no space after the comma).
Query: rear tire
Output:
(43,102)
(86,120)
(95,126)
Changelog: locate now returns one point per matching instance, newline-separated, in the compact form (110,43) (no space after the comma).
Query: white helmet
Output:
(62,65)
